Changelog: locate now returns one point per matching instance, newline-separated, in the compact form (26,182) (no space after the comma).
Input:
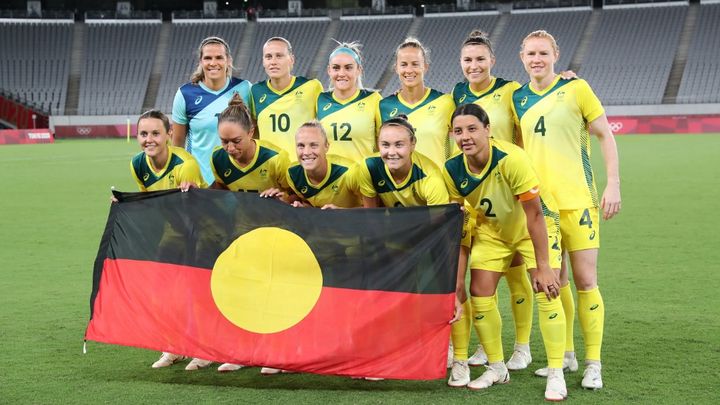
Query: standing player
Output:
(496,178)
(427,110)
(162,167)
(283,102)
(348,112)
(494,95)
(197,103)
(320,179)
(557,117)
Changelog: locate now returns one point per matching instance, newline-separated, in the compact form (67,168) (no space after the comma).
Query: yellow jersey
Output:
(496,100)
(180,166)
(280,112)
(554,125)
(495,193)
(422,186)
(336,188)
(431,119)
(266,170)
(351,125)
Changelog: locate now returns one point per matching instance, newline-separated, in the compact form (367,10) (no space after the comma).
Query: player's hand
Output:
(568,74)
(458,310)
(113,199)
(330,207)
(546,280)
(611,203)
(187,185)
(297,204)
(274,192)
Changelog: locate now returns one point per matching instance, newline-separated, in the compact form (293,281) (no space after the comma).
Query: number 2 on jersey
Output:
(488,210)
(280,122)
(540,126)
(343,127)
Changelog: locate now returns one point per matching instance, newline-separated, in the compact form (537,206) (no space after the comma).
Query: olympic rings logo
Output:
(616,126)
(84,130)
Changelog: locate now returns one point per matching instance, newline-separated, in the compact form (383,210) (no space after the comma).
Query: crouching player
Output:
(496,178)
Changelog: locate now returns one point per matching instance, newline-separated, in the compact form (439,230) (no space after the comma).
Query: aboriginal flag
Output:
(232,277)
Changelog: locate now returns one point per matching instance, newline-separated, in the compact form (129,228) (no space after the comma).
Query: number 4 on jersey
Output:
(540,126)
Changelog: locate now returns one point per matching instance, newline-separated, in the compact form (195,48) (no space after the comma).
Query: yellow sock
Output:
(568,303)
(461,332)
(521,302)
(488,325)
(591,312)
(552,327)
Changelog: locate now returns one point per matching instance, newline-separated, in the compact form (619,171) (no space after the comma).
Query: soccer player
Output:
(494,94)
(162,167)
(557,117)
(427,110)
(320,179)
(348,112)
(283,102)
(497,179)
(399,176)
(197,103)
(243,163)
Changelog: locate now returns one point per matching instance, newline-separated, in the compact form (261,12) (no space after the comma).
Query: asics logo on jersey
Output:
(393,112)
(464,96)
(479,317)
(303,190)
(594,307)
(520,301)
(523,101)
(381,183)
(464,183)
(553,315)
(262,99)
(327,106)
(198,100)
(227,172)
(146,176)
(592,235)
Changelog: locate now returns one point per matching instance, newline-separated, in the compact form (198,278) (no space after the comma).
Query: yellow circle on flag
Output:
(266,281)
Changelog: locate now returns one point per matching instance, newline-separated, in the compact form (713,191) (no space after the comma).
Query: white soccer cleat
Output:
(459,374)
(167,359)
(520,358)
(227,367)
(373,379)
(555,389)
(496,373)
(479,358)
(592,378)
(270,371)
(570,364)
(197,364)
(450,355)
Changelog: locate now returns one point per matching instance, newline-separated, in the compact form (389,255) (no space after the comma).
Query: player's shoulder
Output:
(425,163)
(270,149)
(182,154)
(138,161)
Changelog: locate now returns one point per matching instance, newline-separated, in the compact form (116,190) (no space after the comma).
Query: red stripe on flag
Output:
(170,308)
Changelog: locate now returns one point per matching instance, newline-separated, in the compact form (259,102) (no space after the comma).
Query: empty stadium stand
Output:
(701,78)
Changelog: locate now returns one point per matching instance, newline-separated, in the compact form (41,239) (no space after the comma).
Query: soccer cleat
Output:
(373,379)
(569,364)
(270,371)
(555,389)
(450,355)
(479,358)
(197,364)
(459,374)
(496,373)
(520,358)
(592,378)
(167,359)
(225,367)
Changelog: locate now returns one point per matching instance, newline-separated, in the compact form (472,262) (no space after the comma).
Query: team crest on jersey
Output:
(198,100)
(496,97)
(298,94)
(381,183)
(464,183)
(263,172)
(262,98)
(303,190)
(146,176)
(327,106)
(171,177)
(560,95)
(431,109)
(393,112)
(227,172)
(464,96)
(523,101)
(335,188)
(361,106)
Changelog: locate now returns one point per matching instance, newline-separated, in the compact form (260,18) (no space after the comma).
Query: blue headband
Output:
(348,51)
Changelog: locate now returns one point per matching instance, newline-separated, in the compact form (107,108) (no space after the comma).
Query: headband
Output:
(348,51)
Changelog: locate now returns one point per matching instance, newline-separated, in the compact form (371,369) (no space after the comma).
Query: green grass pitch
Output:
(659,273)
